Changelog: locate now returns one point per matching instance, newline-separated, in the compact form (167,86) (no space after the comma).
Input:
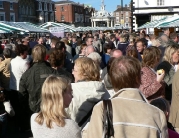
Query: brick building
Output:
(9,10)
(73,13)
(123,16)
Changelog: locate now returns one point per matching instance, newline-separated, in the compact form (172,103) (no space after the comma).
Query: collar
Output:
(130,94)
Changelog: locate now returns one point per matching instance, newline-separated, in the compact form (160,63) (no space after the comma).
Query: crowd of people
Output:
(58,87)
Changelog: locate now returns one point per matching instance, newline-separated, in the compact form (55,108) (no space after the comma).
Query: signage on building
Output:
(57,31)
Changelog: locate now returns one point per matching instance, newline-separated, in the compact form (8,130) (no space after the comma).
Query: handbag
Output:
(108,130)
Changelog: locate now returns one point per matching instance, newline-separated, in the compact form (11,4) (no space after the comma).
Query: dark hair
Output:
(20,49)
(112,36)
(60,45)
(161,103)
(56,58)
(54,40)
(143,41)
(125,72)
(173,35)
(150,55)
(7,53)
(107,46)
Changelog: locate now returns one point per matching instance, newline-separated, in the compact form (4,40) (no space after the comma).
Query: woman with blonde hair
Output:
(87,89)
(170,59)
(52,121)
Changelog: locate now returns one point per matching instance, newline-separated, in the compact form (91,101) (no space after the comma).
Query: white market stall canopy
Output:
(24,27)
(162,23)
(69,28)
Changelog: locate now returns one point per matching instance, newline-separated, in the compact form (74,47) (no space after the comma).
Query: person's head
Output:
(116,53)
(174,37)
(132,52)
(151,56)
(89,41)
(166,31)
(125,72)
(141,45)
(40,41)
(95,57)
(123,38)
(89,49)
(163,105)
(107,48)
(55,97)
(60,46)
(56,58)
(86,69)
(112,37)
(54,40)
(83,49)
(74,39)
(65,40)
(171,54)
(21,50)
(38,53)
(7,53)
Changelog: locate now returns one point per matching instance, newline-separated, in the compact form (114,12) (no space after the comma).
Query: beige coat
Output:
(5,72)
(174,109)
(133,117)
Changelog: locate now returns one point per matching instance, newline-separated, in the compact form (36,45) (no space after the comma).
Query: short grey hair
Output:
(95,57)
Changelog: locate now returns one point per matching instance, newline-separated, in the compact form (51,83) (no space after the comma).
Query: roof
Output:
(22,27)
(124,9)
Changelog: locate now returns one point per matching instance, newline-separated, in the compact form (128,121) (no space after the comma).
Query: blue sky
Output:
(110,4)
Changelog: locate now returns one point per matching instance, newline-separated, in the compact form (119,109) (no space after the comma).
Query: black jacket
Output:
(31,83)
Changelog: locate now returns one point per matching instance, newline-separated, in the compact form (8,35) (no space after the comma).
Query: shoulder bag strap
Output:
(108,129)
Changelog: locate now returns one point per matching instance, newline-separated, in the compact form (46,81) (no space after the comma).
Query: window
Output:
(51,17)
(160,2)
(30,11)
(50,7)
(1,4)
(45,6)
(12,17)
(127,14)
(127,19)
(62,18)
(11,6)
(62,8)
(117,19)
(40,6)
(27,10)
(2,16)
(117,13)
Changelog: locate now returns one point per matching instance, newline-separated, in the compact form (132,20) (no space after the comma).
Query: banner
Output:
(57,31)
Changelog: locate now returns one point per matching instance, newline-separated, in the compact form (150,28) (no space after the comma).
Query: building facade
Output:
(9,10)
(73,13)
(123,16)
(45,11)
(147,10)
(102,18)
(26,11)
